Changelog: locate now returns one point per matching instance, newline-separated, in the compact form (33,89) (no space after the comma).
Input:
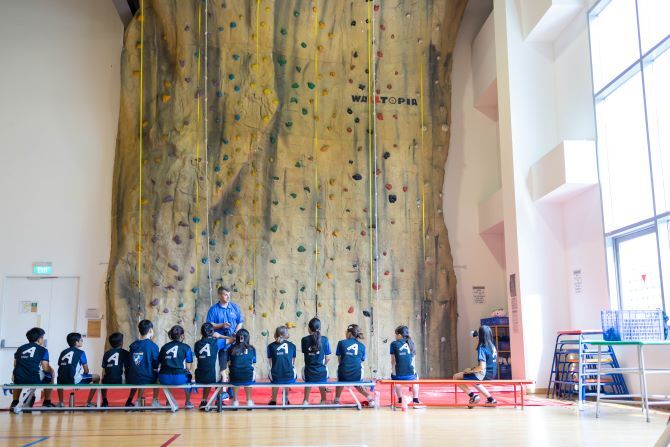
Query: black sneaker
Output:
(13,405)
(272,402)
(491,402)
(129,404)
(105,403)
(203,405)
(474,400)
(48,404)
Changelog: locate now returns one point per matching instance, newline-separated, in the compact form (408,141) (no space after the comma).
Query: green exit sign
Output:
(42,268)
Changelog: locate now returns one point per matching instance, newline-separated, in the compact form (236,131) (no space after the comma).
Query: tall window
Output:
(630,57)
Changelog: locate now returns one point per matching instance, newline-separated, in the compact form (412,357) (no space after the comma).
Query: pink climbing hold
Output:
(376,286)
(388,186)
(380,116)
(404,189)
(350,310)
(376,8)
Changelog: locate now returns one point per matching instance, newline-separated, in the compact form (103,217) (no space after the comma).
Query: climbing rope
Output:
(316,160)
(197,160)
(423,192)
(141,156)
(253,168)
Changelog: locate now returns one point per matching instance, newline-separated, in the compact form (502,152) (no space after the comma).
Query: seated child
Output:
(175,359)
(316,349)
(143,365)
(351,355)
(241,359)
(206,350)
(281,353)
(73,368)
(31,366)
(114,362)
(402,363)
(485,370)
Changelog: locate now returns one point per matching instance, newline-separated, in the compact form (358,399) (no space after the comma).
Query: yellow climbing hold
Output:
(250,283)
(290,325)
(331,35)
(324,92)
(329,275)
(331,196)
(322,25)
(266,118)
(331,181)
(166,98)
(145,202)
(167,84)
(332,74)
(275,101)
(335,233)
(324,148)
(264,315)
(266,91)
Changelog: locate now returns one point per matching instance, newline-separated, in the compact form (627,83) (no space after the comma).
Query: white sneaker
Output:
(305,402)
(156,403)
(250,403)
(236,403)
(60,405)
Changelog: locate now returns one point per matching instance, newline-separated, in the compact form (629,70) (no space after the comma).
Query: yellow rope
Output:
(255,197)
(139,200)
(197,159)
(371,97)
(315,155)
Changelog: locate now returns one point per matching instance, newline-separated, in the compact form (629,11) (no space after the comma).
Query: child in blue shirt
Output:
(282,354)
(485,369)
(402,363)
(316,349)
(143,363)
(241,359)
(114,362)
(31,366)
(175,359)
(73,368)
(351,355)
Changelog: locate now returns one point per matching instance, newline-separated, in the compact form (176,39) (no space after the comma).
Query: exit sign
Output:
(42,268)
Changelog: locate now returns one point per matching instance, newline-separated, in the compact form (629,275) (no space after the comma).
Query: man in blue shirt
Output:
(226,318)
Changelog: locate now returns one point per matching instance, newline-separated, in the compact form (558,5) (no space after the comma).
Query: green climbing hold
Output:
(181,305)
(311,85)
(304,111)
(273,261)
(194,290)
(294,195)
(298,68)
(296,13)
(225,157)
(275,178)
(196,219)
(281,60)
(225,232)
(301,249)
(283,31)
(282,291)
(302,208)
(303,44)
(302,289)
(298,164)
(289,123)
(273,139)
(293,100)
(274,228)
(282,306)
(230,271)
(275,202)
(298,314)
(265,333)
(295,85)
(307,190)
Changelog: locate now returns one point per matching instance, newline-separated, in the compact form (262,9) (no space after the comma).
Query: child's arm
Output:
(480,368)
(85,366)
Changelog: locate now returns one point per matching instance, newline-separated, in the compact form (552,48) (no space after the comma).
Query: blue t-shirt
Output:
(281,356)
(404,358)
(173,357)
(352,356)
(241,364)
(315,358)
(29,358)
(485,354)
(114,362)
(143,360)
(206,350)
(71,365)
(231,314)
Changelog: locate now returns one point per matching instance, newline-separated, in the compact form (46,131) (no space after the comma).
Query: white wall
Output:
(59,88)
(472,174)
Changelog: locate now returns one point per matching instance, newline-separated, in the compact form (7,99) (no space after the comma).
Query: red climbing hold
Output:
(380,116)
(376,8)
(384,253)
(349,129)
(363,233)
(380,54)
(376,286)
(378,172)
(402,270)
(365,210)
(404,189)
(387,273)
(388,186)
(350,310)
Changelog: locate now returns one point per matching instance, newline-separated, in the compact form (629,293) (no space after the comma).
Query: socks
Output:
(471,394)
(415,400)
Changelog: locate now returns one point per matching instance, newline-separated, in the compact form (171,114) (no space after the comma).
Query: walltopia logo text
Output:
(386,99)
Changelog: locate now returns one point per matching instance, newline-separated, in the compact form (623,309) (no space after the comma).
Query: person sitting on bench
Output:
(485,370)
(31,366)
(73,368)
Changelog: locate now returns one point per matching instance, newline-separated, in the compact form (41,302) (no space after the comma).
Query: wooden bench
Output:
(349,386)
(517,386)
(172,403)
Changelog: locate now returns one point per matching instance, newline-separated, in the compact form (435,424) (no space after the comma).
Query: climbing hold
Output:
(311,85)
(304,111)
(196,219)
(177,239)
(293,195)
(154,302)
(173,267)
(165,98)
(166,310)
(282,291)
(357,176)
(350,310)
(386,340)
(296,13)
(233,25)
(295,85)
(367,313)
(180,305)
(281,60)
(386,155)
(274,228)
(298,164)
(301,249)
(290,325)
(363,233)
(212,242)
(283,31)
(329,275)
(273,261)
(380,116)
(293,100)
(302,289)
(236,57)
(404,189)
(204,260)
(392,198)
(264,315)
(298,314)
(282,306)
(303,44)
(265,333)
(388,186)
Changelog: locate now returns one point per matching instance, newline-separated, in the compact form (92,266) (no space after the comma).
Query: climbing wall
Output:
(294,151)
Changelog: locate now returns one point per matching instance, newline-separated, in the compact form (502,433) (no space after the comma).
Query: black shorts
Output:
(205,377)
(27,380)
(112,380)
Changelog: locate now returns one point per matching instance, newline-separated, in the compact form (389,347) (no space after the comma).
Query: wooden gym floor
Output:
(534,426)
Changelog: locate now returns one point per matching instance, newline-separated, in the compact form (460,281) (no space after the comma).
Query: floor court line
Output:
(37,441)
(171,440)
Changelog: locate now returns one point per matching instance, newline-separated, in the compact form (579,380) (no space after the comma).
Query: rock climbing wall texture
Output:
(293,150)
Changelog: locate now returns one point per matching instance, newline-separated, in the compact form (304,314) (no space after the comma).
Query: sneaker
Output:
(372,403)
(250,403)
(236,403)
(188,406)
(336,401)
(474,400)
(323,402)
(272,402)
(156,403)
(203,405)
(104,403)
(225,396)
(14,404)
(48,404)
(305,402)
(90,405)
(129,404)
(60,405)
(491,402)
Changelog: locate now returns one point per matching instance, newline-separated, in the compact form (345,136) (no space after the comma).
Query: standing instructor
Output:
(227,319)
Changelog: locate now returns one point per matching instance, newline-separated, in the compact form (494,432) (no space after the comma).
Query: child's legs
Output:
(187,394)
(398,391)
(459,376)
(16,394)
(275,391)
(104,394)
(338,392)
(483,390)
(234,392)
(307,390)
(364,392)
(205,394)
(155,393)
(94,379)
(247,391)
(131,395)
(324,396)
(60,395)
(47,394)
(415,390)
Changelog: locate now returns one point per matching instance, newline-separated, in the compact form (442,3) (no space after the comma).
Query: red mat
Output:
(430,395)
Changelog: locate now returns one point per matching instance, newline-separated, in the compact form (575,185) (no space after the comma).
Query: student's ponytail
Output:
(315,327)
(241,342)
(281,334)
(403,331)
(355,331)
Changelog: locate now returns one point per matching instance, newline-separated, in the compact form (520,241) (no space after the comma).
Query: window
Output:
(630,57)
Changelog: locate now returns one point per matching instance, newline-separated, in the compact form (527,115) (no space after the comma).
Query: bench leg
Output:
(170,400)
(23,400)
(358,403)
(212,397)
